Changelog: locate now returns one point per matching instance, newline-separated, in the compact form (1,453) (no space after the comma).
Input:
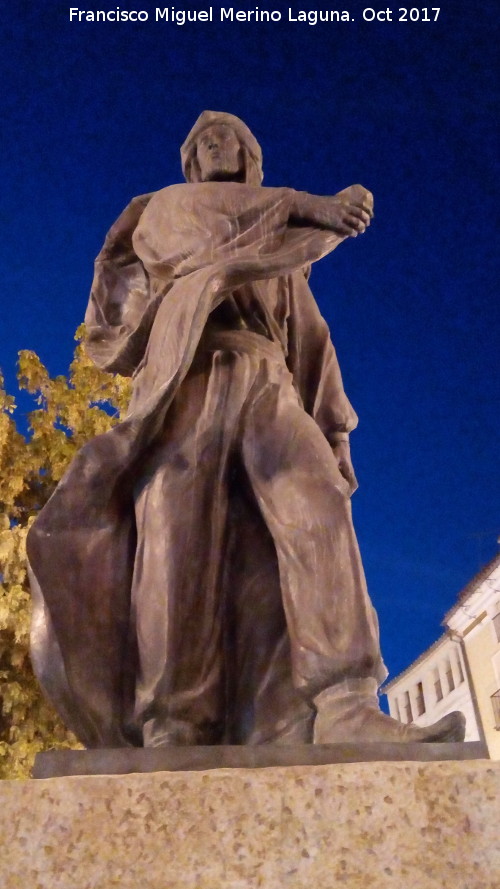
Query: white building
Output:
(461,671)
(475,622)
(434,685)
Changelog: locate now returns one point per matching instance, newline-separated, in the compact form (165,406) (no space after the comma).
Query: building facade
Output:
(475,622)
(461,671)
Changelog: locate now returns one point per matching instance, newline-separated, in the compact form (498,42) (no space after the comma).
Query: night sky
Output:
(94,113)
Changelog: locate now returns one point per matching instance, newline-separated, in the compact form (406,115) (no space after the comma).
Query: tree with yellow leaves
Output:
(70,410)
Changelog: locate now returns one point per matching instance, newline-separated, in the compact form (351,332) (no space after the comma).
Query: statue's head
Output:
(221,147)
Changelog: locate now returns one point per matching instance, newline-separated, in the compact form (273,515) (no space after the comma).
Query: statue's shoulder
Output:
(171,194)
(139,203)
(129,216)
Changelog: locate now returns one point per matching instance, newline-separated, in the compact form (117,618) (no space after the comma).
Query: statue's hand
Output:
(348,213)
(342,452)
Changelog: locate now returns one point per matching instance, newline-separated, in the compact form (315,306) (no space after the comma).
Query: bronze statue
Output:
(196,574)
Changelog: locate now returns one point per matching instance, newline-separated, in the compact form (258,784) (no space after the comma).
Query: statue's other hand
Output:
(347,213)
(342,452)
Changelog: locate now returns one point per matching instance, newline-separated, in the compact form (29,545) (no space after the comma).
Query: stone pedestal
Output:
(124,760)
(384,825)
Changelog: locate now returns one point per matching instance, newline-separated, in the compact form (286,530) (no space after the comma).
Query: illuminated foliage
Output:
(69,411)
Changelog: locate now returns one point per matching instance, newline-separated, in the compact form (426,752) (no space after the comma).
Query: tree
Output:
(70,410)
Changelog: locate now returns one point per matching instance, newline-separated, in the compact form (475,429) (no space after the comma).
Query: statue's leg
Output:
(333,628)
(181,504)
(301,493)
(214,652)
(263,705)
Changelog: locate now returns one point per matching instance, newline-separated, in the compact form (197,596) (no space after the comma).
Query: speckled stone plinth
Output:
(360,826)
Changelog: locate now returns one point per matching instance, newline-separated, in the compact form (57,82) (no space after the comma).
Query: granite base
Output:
(382,825)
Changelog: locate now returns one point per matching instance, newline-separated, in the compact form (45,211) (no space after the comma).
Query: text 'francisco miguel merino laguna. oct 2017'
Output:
(173,15)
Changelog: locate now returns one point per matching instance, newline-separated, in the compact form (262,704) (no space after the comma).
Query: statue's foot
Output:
(370,725)
(350,712)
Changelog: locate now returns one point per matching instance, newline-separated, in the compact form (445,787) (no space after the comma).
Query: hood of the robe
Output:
(251,148)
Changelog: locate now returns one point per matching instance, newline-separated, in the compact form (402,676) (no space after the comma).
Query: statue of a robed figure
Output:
(196,576)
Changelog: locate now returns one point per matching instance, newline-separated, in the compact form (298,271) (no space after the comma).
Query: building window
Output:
(420,699)
(438,688)
(407,714)
(449,676)
(496,625)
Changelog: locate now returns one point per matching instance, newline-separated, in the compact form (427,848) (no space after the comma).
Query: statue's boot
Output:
(349,711)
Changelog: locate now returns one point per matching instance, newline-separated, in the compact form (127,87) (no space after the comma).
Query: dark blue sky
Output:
(94,113)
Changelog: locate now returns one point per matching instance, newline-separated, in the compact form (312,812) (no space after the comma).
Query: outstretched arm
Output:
(348,213)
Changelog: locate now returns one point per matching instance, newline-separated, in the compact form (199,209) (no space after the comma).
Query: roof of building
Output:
(464,594)
(473,586)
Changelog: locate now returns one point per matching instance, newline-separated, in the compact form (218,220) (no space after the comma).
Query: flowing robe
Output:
(167,263)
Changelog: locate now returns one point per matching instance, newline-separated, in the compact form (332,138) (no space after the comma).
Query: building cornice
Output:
(461,620)
(421,658)
(472,587)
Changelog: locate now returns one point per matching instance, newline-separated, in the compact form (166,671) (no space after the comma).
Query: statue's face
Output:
(219,154)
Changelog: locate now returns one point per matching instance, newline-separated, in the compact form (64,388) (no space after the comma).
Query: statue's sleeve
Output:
(312,360)
(122,303)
